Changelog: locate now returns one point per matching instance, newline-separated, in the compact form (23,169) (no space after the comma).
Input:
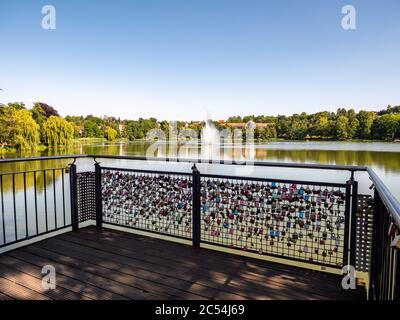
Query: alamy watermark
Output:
(349,278)
(349,19)
(49,277)
(49,21)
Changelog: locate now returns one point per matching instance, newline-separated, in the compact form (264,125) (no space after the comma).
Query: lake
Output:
(384,158)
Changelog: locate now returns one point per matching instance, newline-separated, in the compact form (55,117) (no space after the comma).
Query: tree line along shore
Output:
(41,126)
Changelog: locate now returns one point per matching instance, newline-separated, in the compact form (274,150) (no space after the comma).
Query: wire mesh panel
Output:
(300,221)
(86,196)
(150,201)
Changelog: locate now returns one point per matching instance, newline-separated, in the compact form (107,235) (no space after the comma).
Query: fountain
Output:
(210,141)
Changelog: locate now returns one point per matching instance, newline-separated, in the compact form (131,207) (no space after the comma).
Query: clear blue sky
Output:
(178,59)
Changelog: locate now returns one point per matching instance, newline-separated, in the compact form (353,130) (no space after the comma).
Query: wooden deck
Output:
(108,264)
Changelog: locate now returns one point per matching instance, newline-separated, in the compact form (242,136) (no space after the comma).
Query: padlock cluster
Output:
(304,222)
(152,202)
(289,220)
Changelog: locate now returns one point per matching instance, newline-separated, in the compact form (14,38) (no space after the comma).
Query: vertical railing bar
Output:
(45,199)
(26,207)
(374,255)
(353,224)
(2,209)
(36,209)
(63,194)
(397,276)
(381,253)
(15,207)
(392,274)
(347,209)
(55,198)
(384,256)
(98,195)
(388,273)
(196,221)
(73,197)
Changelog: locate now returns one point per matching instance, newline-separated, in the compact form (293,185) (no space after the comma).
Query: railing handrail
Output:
(237,162)
(26,159)
(194,160)
(389,200)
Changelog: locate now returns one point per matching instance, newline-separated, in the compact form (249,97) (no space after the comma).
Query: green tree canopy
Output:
(58,131)
(342,128)
(17,128)
(110,134)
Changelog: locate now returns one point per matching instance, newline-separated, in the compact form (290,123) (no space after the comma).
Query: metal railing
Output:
(314,222)
(34,201)
(385,266)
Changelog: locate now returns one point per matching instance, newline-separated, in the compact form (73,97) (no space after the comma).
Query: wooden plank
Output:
(108,264)
(147,245)
(86,290)
(225,261)
(231,270)
(222,279)
(4,297)
(87,277)
(16,291)
(68,258)
(260,289)
(106,260)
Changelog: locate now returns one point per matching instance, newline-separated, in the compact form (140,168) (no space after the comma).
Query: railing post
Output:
(196,221)
(99,208)
(353,233)
(397,276)
(374,250)
(350,241)
(74,197)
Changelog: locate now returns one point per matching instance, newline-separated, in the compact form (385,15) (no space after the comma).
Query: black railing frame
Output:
(382,194)
(98,194)
(196,202)
(74,197)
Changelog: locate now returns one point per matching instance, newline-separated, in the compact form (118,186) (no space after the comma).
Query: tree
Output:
(58,131)
(39,116)
(18,129)
(386,127)
(92,129)
(322,126)
(353,127)
(236,119)
(342,128)
(110,134)
(366,119)
(48,110)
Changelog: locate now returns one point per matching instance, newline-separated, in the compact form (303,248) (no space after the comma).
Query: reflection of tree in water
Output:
(389,161)
(40,176)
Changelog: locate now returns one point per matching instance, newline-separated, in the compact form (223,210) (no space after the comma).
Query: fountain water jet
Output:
(210,141)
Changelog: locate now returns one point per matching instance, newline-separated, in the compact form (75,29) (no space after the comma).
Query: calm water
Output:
(384,158)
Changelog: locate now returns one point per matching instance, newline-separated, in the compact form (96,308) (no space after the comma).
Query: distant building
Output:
(243,125)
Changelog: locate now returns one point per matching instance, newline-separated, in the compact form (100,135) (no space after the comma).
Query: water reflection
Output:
(383,157)
(37,173)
